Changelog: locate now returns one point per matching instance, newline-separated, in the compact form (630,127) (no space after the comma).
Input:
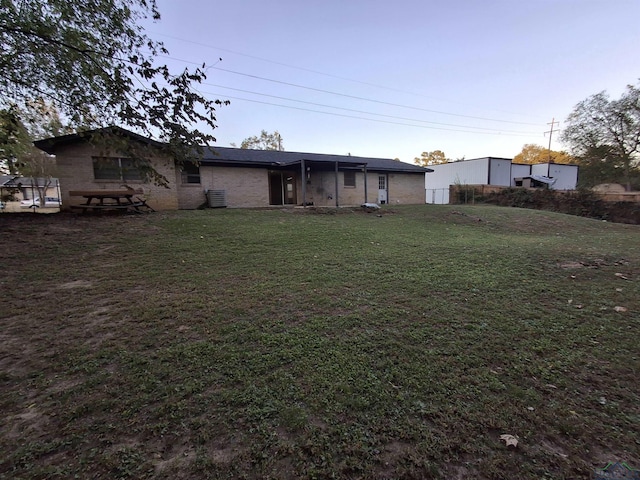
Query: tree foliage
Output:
(93,62)
(266,141)
(15,141)
(532,154)
(605,135)
(19,128)
(435,157)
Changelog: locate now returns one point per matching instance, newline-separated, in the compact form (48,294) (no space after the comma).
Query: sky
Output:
(392,79)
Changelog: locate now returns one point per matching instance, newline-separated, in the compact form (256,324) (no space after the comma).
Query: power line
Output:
(368,119)
(317,72)
(381,102)
(369,113)
(355,97)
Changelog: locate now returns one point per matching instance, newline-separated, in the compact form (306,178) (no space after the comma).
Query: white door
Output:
(382,189)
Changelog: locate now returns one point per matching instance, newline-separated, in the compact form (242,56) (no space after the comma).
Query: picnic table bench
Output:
(101,200)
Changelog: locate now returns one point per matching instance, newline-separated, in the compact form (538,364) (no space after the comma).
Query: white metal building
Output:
(493,171)
(565,176)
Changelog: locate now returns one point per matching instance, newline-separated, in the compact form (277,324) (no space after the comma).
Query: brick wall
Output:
(405,188)
(402,189)
(244,187)
(74,167)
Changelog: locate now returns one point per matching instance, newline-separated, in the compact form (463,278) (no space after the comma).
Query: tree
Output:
(15,141)
(532,154)
(94,63)
(608,129)
(436,157)
(266,141)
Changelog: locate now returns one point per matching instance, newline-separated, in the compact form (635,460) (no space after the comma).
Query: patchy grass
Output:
(318,344)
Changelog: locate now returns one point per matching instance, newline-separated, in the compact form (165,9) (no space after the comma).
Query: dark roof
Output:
(50,145)
(245,157)
(275,158)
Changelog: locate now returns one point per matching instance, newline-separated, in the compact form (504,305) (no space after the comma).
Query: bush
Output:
(582,202)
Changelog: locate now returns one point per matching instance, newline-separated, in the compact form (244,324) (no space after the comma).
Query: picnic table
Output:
(101,200)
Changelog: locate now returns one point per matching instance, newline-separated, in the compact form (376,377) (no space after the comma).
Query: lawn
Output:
(318,344)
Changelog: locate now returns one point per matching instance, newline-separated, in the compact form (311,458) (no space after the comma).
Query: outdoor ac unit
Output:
(217,198)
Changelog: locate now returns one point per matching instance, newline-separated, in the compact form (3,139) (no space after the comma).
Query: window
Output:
(190,173)
(349,179)
(117,169)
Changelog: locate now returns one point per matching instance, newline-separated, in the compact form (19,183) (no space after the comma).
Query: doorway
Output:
(282,188)
(382,190)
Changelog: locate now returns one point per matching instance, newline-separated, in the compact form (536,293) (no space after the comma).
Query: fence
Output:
(471,194)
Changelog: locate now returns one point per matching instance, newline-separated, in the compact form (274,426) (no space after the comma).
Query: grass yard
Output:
(286,344)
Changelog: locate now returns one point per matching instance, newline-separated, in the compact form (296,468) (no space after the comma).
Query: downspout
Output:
(336,172)
(304,184)
(365,184)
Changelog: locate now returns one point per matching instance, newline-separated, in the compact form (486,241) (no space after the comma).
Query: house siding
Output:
(74,167)
(402,188)
(405,189)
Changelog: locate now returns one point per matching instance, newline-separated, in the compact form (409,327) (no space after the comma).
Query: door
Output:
(289,181)
(382,189)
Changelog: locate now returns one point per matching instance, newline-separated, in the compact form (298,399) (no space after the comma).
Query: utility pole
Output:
(550,132)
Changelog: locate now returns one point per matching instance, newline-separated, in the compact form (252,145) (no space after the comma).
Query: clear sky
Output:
(472,78)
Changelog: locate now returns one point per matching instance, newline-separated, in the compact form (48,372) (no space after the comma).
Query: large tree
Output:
(607,129)
(266,141)
(92,60)
(15,141)
(532,154)
(435,157)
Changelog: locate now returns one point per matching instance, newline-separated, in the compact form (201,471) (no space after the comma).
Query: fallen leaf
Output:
(618,289)
(509,440)
(620,309)
(620,275)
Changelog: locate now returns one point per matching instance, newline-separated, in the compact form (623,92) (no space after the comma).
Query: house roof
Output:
(246,157)
(26,182)
(6,180)
(275,158)
(50,145)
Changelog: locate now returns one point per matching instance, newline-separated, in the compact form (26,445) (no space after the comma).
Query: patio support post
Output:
(304,184)
(337,203)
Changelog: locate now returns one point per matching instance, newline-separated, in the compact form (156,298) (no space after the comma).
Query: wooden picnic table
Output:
(100,200)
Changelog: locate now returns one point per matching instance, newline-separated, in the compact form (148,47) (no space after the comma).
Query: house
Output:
(235,177)
(17,188)
(497,172)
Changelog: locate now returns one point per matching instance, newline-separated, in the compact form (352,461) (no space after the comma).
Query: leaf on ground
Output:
(622,276)
(509,440)
(620,309)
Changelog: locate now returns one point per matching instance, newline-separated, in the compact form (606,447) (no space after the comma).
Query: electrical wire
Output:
(369,119)
(369,113)
(317,72)
(355,97)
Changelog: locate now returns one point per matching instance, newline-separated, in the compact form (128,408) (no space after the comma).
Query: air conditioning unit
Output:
(217,198)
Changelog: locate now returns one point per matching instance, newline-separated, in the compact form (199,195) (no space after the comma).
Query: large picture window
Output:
(116,169)
(349,179)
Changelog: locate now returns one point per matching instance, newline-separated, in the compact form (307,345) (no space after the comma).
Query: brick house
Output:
(236,177)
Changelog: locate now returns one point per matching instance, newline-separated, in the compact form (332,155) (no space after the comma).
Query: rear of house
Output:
(232,177)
